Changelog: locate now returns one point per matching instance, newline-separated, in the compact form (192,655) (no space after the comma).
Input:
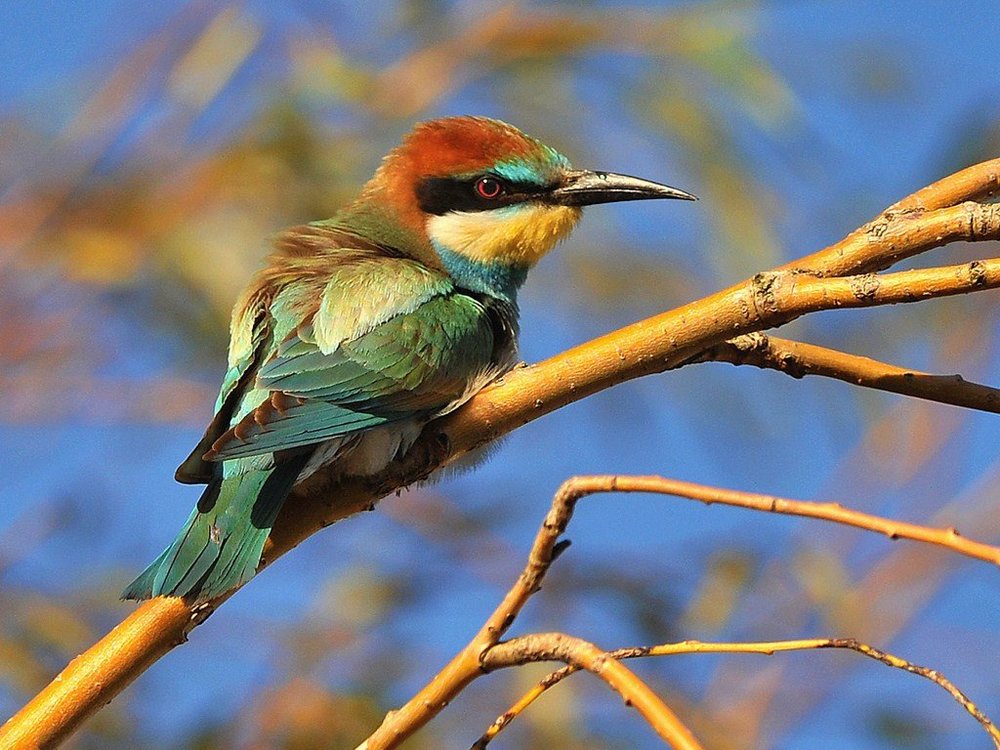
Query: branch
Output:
(976,183)
(579,654)
(467,664)
(799,359)
(650,346)
(514,652)
(941,213)
(478,655)
(949,538)
(470,662)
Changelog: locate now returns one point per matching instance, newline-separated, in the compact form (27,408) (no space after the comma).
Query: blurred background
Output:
(148,151)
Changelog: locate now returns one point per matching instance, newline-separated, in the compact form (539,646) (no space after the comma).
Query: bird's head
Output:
(487,201)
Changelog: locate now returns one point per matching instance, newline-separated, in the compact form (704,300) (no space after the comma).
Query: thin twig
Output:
(975,183)
(512,653)
(949,538)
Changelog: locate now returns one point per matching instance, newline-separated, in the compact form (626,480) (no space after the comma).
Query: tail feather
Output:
(220,546)
(142,586)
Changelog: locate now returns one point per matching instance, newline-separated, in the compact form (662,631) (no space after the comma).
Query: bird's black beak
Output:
(585,188)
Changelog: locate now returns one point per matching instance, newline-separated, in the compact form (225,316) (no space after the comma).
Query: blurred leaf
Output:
(726,576)
(623,281)
(744,225)
(904,729)
(19,667)
(718,44)
(304,715)
(356,598)
(322,71)
(55,626)
(214,57)
(828,586)
(99,256)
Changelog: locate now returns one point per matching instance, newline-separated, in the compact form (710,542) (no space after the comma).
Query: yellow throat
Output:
(516,236)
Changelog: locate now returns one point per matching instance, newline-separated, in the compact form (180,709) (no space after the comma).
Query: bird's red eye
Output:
(489,187)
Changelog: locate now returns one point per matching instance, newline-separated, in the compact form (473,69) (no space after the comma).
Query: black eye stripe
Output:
(439,195)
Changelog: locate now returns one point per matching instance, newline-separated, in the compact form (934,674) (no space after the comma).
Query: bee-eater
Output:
(365,326)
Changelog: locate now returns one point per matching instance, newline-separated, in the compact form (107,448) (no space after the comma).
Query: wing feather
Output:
(414,364)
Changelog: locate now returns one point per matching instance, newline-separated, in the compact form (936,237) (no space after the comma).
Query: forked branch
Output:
(487,652)
(514,652)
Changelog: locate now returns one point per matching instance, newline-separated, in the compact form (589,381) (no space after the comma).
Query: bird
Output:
(363,327)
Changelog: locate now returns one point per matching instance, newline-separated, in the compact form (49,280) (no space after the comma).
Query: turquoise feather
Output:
(220,546)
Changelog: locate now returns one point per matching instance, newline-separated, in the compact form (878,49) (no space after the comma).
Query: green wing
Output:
(364,289)
(195,469)
(416,364)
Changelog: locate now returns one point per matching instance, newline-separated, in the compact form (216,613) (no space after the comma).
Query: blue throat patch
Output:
(495,279)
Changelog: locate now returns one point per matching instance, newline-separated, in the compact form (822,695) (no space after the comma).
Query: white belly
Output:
(366,453)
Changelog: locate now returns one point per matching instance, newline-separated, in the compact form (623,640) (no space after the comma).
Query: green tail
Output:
(220,546)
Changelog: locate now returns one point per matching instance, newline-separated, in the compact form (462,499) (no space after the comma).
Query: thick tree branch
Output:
(917,224)
(677,337)
(799,359)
